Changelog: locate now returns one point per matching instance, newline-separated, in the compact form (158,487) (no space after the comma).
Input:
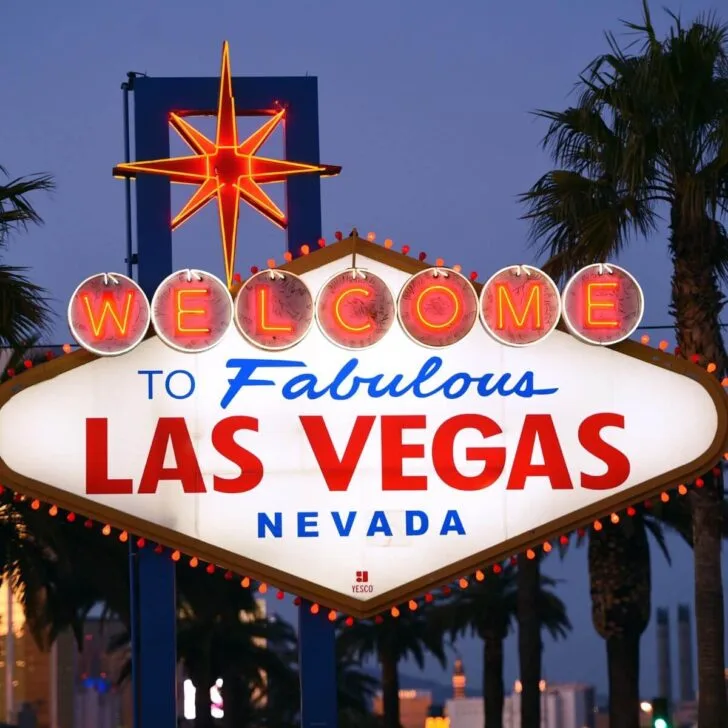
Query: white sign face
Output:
(348,476)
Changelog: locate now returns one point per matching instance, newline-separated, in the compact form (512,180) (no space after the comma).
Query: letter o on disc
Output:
(519,305)
(192,310)
(108,314)
(437,307)
(603,304)
(355,309)
(274,310)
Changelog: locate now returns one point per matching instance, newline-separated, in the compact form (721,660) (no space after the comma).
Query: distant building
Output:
(414,707)
(465,712)
(570,705)
(664,662)
(68,688)
(685,653)
(459,681)
(62,688)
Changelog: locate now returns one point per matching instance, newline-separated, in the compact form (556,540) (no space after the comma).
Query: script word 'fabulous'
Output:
(192,310)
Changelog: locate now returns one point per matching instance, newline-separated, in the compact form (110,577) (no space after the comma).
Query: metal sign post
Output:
(153,575)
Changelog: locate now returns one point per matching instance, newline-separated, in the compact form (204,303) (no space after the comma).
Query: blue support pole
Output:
(152,575)
(317,665)
(154,618)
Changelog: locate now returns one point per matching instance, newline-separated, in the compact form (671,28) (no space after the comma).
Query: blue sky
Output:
(426,107)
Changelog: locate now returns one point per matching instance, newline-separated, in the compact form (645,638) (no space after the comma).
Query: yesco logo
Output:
(362,585)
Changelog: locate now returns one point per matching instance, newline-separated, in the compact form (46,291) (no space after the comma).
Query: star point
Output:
(226,170)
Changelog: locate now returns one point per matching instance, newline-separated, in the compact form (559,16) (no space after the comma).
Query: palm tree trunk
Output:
(493,691)
(529,640)
(696,305)
(623,663)
(235,700)
(390,690)
(707,530)
(203,717)
(620,582)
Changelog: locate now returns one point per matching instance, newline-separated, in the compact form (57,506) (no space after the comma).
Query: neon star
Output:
(226,170)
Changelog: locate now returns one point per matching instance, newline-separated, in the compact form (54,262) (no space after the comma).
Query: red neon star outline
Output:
(225,169)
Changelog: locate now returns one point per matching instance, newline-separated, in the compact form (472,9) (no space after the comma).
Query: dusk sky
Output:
(426,107)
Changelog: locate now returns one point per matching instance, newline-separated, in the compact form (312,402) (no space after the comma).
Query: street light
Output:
(660,713)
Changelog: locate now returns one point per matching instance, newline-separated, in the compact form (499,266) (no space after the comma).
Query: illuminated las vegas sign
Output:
(354,411)
(328,420)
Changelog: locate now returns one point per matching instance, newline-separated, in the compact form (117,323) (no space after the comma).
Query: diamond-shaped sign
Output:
(358,478)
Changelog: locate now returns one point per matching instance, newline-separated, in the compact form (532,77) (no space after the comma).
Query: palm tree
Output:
(24,311)
(488,609)
(356,688)
(620,585)
(391,640)
(650,131)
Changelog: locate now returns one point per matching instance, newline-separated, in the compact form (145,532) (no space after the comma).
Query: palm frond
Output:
(16,210)
(24,308)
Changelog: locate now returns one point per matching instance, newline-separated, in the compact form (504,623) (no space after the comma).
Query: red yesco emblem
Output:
(225,169)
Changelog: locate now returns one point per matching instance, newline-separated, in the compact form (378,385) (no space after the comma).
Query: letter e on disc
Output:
(274,309)
(355,309)
(520,305)
(437,307)
(603,304)
(192,310)
(108,314)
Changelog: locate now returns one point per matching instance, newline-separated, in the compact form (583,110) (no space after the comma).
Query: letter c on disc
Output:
(355,309)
